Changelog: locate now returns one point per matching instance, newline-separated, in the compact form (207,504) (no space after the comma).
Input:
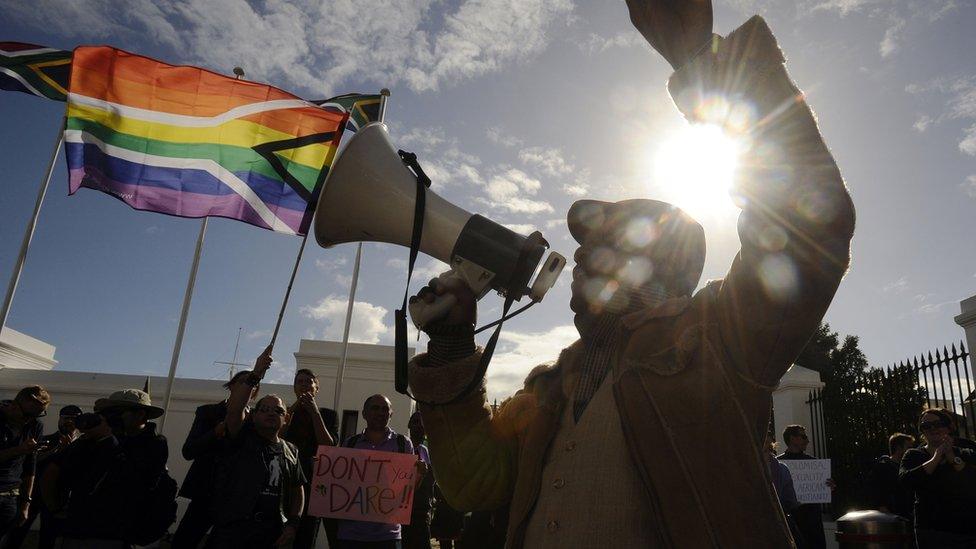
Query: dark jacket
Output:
(147,451)
(201,448)
(240,476)
(301,433)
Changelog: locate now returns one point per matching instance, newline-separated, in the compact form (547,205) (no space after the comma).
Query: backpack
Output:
(352,441)
(156,512)
(149,507)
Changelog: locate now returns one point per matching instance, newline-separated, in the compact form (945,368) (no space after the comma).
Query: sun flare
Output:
(695,168)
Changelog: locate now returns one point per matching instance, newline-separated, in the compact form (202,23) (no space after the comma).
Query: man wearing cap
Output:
(128,413)
(604,447)
(19,433)
(48,448)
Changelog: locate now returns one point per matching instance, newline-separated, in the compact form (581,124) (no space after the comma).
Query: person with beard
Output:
(603,448)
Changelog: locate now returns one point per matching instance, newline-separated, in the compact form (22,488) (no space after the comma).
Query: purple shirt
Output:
(357,530)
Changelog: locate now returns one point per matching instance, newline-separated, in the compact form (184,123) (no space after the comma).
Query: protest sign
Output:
(363,485)
(810,479)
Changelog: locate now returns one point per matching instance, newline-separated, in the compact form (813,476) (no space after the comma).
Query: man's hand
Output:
(464,311)
(677,29)
(831,484)
(220,430)
(263,362)
(307,402)
(26,447)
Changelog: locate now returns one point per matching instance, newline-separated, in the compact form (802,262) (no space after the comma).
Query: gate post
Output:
(790,403)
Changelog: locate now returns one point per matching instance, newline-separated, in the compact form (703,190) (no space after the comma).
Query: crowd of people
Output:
(931,485)
(101,480)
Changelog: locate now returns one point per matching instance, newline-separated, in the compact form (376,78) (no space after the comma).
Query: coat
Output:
(694,376)
(201,447)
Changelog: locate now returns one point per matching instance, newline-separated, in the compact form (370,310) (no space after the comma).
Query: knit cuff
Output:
(449,344)
(438,385)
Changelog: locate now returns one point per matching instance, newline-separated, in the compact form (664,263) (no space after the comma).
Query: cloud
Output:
(521,228)
(367,319)
(969,186)
(922,123)
(507,191)
(257,334)
(328,265)
(279,374)
(956,97)
(889,44)
(897,286)
(549,161)
(519,352)
(499,136)
(322,45)
(625,39)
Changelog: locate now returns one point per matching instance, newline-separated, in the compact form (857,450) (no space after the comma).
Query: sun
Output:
(695,168)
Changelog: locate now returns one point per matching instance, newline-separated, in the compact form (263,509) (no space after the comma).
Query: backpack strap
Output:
(352,441)
(401,443)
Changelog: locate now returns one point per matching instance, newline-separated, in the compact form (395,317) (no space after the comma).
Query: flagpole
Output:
(291,281)
(385,94)
(187,297)
(29,233)
(178,345)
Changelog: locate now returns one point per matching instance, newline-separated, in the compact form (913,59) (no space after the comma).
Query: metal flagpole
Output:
(29,233)
(385,94)
(187,297)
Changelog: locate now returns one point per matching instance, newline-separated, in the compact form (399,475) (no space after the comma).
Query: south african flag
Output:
(362,108)
(36,70)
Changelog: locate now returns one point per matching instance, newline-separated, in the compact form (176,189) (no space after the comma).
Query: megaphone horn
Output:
(369,196)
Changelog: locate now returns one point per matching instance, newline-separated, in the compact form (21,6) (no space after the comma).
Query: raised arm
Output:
(241,392)
(797,219)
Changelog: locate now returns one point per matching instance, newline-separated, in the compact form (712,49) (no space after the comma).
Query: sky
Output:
(516,108)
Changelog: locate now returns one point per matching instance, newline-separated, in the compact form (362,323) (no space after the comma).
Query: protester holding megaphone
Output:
(603,448)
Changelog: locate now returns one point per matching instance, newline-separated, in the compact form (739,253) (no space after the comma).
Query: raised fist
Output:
(677,29)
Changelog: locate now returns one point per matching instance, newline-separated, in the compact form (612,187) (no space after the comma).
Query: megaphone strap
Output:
(401,366)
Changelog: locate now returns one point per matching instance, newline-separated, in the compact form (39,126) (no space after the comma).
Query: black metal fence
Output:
(852,416)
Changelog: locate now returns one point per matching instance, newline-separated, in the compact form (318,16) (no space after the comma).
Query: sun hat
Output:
(129,398)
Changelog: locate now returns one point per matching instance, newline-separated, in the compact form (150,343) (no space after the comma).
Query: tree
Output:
(861,407)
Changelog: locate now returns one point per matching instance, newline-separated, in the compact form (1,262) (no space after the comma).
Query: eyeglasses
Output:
(272,410)
(934,424)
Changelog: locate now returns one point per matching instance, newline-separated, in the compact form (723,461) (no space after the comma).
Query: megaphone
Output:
(369,196)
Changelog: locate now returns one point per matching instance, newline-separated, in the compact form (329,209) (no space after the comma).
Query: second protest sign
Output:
(363,485)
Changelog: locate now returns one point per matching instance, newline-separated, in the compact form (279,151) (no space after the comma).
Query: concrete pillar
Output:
(790,403)
(967,319)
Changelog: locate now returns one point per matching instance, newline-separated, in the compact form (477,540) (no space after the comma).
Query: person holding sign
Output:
(943,477)
(258,494)
(808,516)
(604,447)
(358,534)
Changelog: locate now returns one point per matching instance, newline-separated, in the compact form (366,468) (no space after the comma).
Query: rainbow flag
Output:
(34,69)
(188,142)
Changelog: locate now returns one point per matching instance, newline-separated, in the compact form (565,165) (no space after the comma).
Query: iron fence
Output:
(853,415)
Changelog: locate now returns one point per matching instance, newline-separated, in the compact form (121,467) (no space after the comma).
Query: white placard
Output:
(810,479)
